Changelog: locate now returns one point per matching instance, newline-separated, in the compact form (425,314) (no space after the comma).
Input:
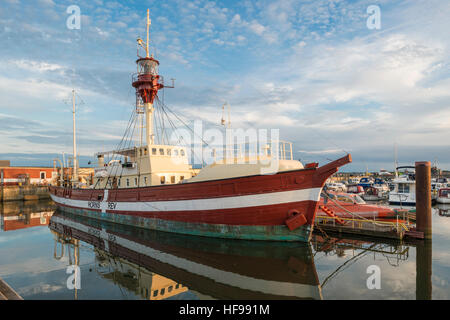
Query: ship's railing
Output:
(251,150)
(146,77)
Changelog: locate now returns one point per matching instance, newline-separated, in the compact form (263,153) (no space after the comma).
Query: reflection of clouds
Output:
(440,225)
(39,288)
(442,257)
(13,236)
(440,287)
(350,283)
(33,252)
(33,266)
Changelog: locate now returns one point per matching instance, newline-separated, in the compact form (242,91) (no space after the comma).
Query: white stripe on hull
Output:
(254,200)
(220,276)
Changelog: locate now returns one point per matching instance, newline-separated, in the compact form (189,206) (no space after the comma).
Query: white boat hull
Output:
(442,200)
(406,199)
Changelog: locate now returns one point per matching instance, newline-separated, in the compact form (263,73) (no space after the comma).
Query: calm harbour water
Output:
(37,244)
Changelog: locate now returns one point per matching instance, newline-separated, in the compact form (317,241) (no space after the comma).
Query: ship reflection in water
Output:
(122,262)
(159,265)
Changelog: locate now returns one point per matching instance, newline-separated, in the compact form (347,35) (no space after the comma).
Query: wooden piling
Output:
(423,198)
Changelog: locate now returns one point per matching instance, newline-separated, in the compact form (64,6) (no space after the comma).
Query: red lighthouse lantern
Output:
(147,81)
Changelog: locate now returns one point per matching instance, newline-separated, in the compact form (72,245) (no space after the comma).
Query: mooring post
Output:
(423,198)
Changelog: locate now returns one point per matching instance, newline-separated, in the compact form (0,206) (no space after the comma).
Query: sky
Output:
(312,69)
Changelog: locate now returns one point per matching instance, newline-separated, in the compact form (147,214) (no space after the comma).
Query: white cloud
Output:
(256,27)
(46,2)
(36,66)
(325,151)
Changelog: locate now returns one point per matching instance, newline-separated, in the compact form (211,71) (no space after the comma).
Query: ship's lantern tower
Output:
(147,83)
(148,66)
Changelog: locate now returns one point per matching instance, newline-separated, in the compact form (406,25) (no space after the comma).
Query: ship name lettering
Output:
(112,205)
(94,204)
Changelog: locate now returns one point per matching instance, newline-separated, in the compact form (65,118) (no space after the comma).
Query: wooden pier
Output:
(8,293)
(367,227)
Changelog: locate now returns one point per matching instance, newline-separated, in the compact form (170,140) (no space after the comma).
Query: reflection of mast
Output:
(69,241)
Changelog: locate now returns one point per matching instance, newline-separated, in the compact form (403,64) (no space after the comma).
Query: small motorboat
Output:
(336,186)
(355,189)
(376,192)
(346,205)
(404,191)
(443,195)
(366,182)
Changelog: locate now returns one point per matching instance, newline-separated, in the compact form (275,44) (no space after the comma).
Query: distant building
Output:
(39,175)
(25,175)
(5,163)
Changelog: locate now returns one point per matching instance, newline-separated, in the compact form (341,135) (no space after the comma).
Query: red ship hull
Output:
(281,206)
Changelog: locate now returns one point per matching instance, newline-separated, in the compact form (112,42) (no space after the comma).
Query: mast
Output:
(223,121)
(75,173)
(147,83)
(148,31)
(149,106)
(395,160)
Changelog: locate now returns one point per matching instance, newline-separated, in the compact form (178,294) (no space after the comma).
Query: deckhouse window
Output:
(181,178)
(135,182)
(145,151)
(168,152)
(128,182)
(161,152)
(154,151)
(172,179)
(182,152)
(145,180)
(175,152)
(163,180)
(403,188)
